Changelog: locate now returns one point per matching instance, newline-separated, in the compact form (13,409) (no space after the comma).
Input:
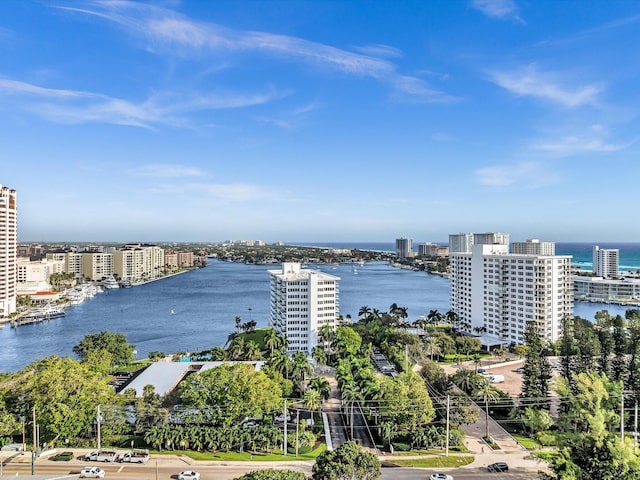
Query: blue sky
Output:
(321,120)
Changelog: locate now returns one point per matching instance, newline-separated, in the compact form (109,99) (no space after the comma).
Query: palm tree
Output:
(281,363)
(477,360)
(452,318)
(435,317)
(301,368)
(312,399)
(238,321)
(487,393)
(364,312)
(432,346)
(237,348)
(465,379)
(321,385)
(271,340)
(218,354)
(350,395)
(388,430)
(252,351)
(319,355)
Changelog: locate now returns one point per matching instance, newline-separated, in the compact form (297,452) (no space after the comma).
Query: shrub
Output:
(401,447)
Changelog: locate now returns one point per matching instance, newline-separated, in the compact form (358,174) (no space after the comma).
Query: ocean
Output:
(196,310)
(581,251)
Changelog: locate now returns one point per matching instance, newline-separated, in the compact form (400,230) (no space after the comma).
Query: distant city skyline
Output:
(320,121)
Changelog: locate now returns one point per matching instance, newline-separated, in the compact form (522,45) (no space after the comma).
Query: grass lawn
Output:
(526,442)
(439,461)
(247,456)
(257,336)
(450,359)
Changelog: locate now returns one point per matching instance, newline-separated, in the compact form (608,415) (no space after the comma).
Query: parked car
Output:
(62,457)
(520,370)
(441,476)
(498,467)
(482,371)
(188,475)
(280,418)
(91,472)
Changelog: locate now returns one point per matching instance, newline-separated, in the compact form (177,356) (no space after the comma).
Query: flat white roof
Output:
(165,376)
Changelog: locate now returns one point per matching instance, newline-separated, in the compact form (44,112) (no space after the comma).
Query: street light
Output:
(249,313)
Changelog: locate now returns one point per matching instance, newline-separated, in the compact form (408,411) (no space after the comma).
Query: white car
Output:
(91,472)
(441,476)
(188,475)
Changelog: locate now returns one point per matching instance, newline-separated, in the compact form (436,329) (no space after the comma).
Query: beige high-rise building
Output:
(8,249)
(533,246)
(138,262)
(96,266)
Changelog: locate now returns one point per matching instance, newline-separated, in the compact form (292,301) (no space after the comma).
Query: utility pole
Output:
(297,427)
(622,418)
(98,426)
(446,450)
(35,442)
(406,358)
(635,427)
(284,414)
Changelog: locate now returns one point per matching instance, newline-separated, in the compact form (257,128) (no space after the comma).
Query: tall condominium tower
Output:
(8,250)
(606,261)
(533,247)
(404,247)
(460,242)
(491,238)
(302,302)
(498,291)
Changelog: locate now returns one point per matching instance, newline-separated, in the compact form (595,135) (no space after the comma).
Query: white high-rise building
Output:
(533,246)
(460,242)
(404,247)
(498,291)
(491,238)
(302,302)
(606,262)
(8,250)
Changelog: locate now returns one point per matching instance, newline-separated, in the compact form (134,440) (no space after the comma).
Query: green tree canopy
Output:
(589,446)
(405,401)
(65,394)
(114,343)
(347,462)
(271,474)
(234,391)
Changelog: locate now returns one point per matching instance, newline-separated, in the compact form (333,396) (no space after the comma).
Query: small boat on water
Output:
(39,314)
(110,283)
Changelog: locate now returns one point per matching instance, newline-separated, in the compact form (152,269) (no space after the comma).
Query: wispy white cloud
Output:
(571,145)
(500,9)
(520,175)
(590,32)
(378,50)
(529,81)
(171,31)
(167,171)
(69,106)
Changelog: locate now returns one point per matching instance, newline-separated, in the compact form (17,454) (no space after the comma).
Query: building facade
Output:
(499,291)
(404,247)
(96,266)
(460,243)
(432,250)
(8,250)
(533,246)
(138,262)
(606,262)
(302,302)
(598,289)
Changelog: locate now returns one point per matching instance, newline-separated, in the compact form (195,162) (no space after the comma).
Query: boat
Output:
(125,283)
(110,283)
(76,296)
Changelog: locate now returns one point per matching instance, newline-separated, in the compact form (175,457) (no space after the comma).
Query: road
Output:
(165,470)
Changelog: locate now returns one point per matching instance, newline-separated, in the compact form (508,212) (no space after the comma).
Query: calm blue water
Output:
(206,301)
(582,252)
